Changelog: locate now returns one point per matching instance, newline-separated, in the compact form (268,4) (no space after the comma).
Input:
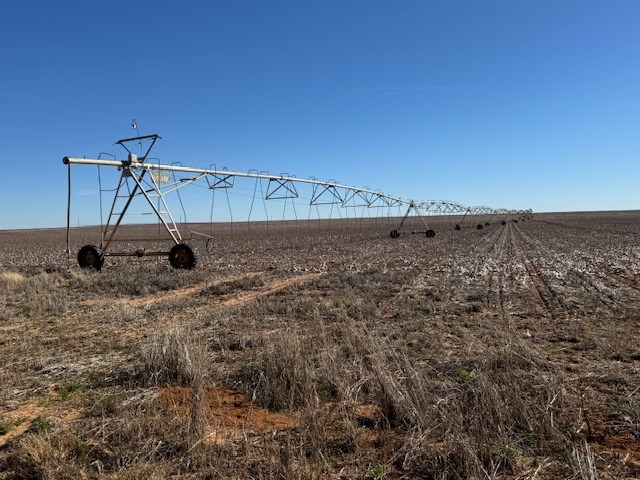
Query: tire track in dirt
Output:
(481,250)
(82,334)
(468,270)
(270,289)
(161,297)
(507,288)
(520,287)
(488,266)
(21,420)
(217,303)
(608,301)
(486,240)
(617,281)
(495,297)
(623,284)
(549,299)
(513,293)
(622,294)
(621,279)
(584,281)
(179,294)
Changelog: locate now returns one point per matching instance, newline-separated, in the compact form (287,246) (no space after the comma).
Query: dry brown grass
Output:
(34,295)
(49,456)
(507,353)
(11,281)
(505,411)
(174,357)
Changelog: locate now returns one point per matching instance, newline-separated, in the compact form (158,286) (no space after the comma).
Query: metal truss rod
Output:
(134,165)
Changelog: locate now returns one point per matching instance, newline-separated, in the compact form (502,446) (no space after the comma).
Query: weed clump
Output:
(66,391)
(6,426)
(174,357)
(11,281)
(40,425)
(281,375)
(38,294)
(46,455)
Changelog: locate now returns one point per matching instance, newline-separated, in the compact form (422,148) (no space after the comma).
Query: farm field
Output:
(301,351)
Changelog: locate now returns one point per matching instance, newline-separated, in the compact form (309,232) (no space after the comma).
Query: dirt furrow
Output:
(495,287)
(608,301)
(549,300)
(619,279)
(575,266)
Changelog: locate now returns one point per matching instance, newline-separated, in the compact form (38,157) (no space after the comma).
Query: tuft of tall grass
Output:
(36,295)
(584,462)
(48,456)
(45,294)
(11,281)
(174,357)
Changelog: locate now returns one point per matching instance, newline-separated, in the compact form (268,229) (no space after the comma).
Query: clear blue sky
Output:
(504,103)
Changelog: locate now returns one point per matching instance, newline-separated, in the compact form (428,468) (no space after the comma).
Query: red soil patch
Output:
(228,413)
(620,446)
(21,418)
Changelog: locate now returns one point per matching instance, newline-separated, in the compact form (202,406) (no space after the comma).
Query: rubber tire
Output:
(181,256)
(458,227)
(430,233)
(504,223)
(394,234)
(480,226)
(91,257)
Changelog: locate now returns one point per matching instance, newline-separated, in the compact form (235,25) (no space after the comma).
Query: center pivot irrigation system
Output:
(141,177)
